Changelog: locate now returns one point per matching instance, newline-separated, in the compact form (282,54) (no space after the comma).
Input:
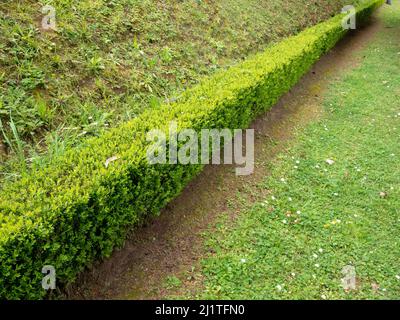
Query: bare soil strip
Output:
(172,244)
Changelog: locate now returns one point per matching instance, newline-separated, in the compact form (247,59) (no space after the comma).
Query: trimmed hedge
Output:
(76,210)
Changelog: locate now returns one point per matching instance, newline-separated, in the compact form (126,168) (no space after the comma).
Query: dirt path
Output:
(172,244)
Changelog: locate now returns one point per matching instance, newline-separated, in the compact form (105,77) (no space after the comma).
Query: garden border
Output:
(76,209)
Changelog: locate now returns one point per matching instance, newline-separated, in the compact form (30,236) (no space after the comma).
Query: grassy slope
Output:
(324,217)
(109,60)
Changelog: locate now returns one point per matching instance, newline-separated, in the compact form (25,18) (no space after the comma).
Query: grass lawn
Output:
(321,216)
(109,60)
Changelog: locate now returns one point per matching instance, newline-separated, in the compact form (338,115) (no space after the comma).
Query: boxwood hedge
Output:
(75,210)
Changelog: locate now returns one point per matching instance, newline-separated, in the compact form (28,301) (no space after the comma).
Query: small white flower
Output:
(315,256)
(397,277)
(297,161)
(273,198)
(279,287)
(323,296)
(320,250)
(243,260)
(293,274)
(296,167)
(290,199)
(298,212)
(330,161)
(316,265)
(282,180)
(335,194)
(284,221)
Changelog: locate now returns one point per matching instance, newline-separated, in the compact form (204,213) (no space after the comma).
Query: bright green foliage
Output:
(75,210)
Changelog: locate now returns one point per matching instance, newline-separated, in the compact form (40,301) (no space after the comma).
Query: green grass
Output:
(319,217)
(110,60)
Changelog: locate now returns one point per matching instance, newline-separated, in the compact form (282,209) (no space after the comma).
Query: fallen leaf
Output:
(109,160)
(382,194)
